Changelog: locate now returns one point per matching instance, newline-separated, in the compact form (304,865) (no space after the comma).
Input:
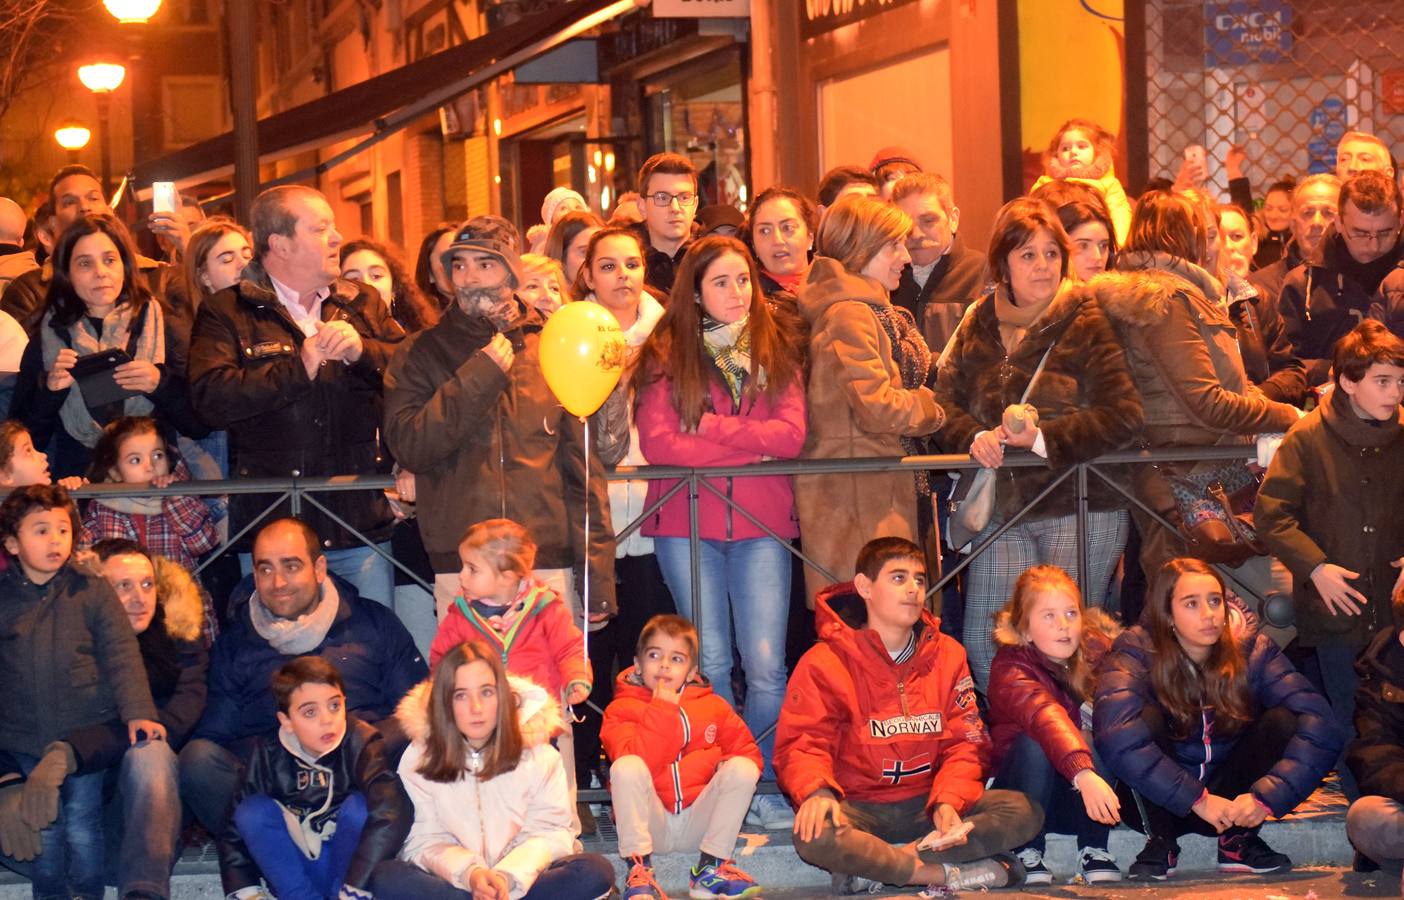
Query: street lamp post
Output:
(72,137)
(102,79)
(127,13)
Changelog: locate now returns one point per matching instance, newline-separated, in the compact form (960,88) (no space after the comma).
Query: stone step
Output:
(1314,835)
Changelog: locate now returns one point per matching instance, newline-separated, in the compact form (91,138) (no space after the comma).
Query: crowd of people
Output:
(341,732)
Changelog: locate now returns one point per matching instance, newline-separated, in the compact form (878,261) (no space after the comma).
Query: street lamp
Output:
(72,137)
(132,12)
(102,79)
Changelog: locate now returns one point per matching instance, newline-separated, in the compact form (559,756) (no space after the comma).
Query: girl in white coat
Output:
(492,814)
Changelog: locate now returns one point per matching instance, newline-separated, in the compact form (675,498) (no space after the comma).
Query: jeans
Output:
(1375,826)
(864,846)
(584,876)
(1338,683)
(1026,768)
(290,874)
(71,866)
(372,575)
(148,798)
(1257,749)
(209,777)
(747,582)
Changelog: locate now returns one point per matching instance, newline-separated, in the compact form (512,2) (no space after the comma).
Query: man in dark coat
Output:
(295,609)
(290,361)
(1358,275)
(469,412)
(944,276)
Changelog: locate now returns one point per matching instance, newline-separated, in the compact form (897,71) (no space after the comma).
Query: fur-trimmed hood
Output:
(1100,167)
(537,712)
(1006,635)
(182,606)
(1139,293)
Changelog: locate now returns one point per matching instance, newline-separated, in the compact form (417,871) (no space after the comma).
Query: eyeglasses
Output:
(1373,237)
(663,198)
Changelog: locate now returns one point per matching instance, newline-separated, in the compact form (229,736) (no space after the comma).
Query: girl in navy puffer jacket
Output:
(1040,681)
(1214,732)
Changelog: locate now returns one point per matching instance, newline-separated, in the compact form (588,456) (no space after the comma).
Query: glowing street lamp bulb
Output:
(132,12)
(102,78)
(72,137)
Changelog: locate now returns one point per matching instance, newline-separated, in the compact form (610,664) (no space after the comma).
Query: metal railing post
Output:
(694,546)
(1083,551)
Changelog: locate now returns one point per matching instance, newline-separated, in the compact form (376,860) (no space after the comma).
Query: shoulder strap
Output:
(1037,372)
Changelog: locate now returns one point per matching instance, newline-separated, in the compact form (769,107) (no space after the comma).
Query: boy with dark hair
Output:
(1329,509)
(320,807)
(71,662)
(668,201)
(880,742)
(684,765)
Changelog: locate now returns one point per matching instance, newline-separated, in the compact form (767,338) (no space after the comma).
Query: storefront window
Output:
(699,111)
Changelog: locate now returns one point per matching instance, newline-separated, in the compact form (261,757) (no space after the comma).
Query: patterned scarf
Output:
(913,359)
(730,349)
(85,340)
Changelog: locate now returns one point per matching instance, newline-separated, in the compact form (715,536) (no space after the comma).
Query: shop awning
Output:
(381,106)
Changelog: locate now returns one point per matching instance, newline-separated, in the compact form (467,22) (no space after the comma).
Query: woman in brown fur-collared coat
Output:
(1183,351)
(867,387)
(1086,402)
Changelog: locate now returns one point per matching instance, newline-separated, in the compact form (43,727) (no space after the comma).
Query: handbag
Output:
(1216,513)
(972,501)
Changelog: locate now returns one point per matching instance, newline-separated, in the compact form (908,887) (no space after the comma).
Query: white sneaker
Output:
(771,812)
(1000,870)
(848,885)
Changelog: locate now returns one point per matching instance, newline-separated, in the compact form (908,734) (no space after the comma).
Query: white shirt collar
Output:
(307,320)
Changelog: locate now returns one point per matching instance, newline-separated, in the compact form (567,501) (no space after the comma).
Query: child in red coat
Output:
(502,606)
(684,765)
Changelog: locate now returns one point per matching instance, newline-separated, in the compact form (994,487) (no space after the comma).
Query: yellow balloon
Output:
(582,355)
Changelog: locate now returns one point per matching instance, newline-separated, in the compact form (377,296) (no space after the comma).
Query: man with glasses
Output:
(668,197)
(1357,275)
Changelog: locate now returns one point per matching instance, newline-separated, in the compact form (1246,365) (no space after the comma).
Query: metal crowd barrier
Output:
(300,491)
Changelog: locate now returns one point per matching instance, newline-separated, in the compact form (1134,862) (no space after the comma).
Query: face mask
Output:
(496,304)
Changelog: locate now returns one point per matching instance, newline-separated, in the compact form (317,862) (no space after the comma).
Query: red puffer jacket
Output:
(872,730)
(1027,696)
(681,743)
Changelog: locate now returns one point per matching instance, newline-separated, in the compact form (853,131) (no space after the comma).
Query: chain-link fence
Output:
(1284,79)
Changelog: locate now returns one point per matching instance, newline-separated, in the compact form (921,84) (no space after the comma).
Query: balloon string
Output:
(585,594)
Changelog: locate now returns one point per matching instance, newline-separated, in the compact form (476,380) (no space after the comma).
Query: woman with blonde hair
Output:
(868,393)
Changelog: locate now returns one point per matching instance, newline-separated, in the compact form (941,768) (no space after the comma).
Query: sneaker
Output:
(1156,861)
(848,885)
(1246,852)
(998,871)
(1096,865)
(721,880)
(641,883)
(1035,872)
(771,812)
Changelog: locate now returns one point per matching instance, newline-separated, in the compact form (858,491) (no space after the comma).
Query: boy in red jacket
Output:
(880,742)
(685,766)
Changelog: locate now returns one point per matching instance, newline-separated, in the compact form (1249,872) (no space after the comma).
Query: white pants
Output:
(710,824)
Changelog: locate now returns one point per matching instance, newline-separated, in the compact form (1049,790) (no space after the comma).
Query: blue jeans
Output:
(584,876)
(148,799)
(209,778)
(290,874)
(1338,680)
(1026,768)
(71,865)
(747,582)
(371,574)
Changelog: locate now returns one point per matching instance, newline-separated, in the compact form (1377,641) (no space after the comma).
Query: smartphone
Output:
(163,197)
(1194,153)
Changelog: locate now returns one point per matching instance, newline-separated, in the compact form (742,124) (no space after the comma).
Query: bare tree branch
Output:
(30,33)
